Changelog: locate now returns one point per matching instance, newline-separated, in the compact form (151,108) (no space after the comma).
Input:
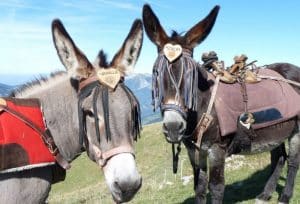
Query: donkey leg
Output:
(200,176)
(200,180)
(293,166)
(278,158)
(216,185)
(28,186)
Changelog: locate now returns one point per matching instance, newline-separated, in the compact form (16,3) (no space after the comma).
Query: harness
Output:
(86,88)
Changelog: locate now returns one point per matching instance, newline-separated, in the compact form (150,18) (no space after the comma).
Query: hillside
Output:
(5,89)
(140,84)
(245,177)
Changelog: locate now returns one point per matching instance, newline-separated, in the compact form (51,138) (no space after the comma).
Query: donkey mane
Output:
(175,34)
(103,59)
(38,81)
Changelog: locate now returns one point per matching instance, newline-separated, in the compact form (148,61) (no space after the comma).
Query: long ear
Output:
(126,57)
(201,30)
(71,57)
(154,30)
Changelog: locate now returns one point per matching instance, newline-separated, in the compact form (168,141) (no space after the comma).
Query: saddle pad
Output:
(21,147)
(262,96)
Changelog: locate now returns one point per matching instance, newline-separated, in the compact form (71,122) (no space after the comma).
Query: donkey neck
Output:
(59,104)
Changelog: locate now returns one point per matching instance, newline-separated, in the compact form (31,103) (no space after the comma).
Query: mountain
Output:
(5,89)
(140,84)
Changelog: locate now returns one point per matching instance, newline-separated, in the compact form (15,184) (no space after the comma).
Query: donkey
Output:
(181,88)
(84,114)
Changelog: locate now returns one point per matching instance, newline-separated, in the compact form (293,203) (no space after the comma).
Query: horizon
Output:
(267,31)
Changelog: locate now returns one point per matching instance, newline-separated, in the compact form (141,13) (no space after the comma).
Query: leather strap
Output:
(87,81)
(46,136)
(245,95)
(105,156)
(205,121)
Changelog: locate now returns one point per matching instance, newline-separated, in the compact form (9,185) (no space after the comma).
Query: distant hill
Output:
(140,84)
(5,89)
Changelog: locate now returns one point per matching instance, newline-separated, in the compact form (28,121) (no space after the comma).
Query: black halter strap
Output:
(105,105)
(85,92)
(135,112)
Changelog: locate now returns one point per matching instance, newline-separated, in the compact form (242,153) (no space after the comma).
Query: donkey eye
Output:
(89,113)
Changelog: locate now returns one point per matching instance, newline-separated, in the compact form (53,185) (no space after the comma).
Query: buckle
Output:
(52,150)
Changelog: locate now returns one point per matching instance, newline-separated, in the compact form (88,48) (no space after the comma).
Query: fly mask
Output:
(183,84)
(93,86)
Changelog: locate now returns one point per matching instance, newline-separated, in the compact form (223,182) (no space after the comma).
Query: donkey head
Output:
(109,119)
(175,72)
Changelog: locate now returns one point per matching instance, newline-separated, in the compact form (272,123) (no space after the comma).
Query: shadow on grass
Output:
(245,189)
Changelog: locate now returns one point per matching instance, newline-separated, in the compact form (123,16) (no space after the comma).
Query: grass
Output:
(245,177)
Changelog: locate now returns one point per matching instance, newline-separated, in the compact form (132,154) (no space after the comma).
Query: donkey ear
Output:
(71,57)
(126,57)
(154,30)
(201,30)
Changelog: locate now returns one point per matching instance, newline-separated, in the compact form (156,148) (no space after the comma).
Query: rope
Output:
(279,79)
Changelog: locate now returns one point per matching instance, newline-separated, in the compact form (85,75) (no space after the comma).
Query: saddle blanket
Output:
(267,97)
(21,147)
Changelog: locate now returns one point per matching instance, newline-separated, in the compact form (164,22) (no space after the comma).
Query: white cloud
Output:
(122,5)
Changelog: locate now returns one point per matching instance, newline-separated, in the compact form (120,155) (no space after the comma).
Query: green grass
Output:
(245,177)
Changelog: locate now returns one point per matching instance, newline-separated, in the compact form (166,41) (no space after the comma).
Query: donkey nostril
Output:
(116,184)
(181,126)
(165,128)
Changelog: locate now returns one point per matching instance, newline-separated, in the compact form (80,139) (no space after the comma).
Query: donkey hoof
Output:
(263,197)
(261,201)
(284,199)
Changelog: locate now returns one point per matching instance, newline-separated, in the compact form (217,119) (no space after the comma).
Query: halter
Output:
(188,74)
(86,88)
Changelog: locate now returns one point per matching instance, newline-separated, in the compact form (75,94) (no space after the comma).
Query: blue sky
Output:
(264,30)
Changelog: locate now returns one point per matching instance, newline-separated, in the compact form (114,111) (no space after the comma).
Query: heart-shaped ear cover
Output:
(2,103)
(109,77)
(172,52)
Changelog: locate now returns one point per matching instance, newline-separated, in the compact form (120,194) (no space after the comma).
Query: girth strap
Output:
(46,136)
